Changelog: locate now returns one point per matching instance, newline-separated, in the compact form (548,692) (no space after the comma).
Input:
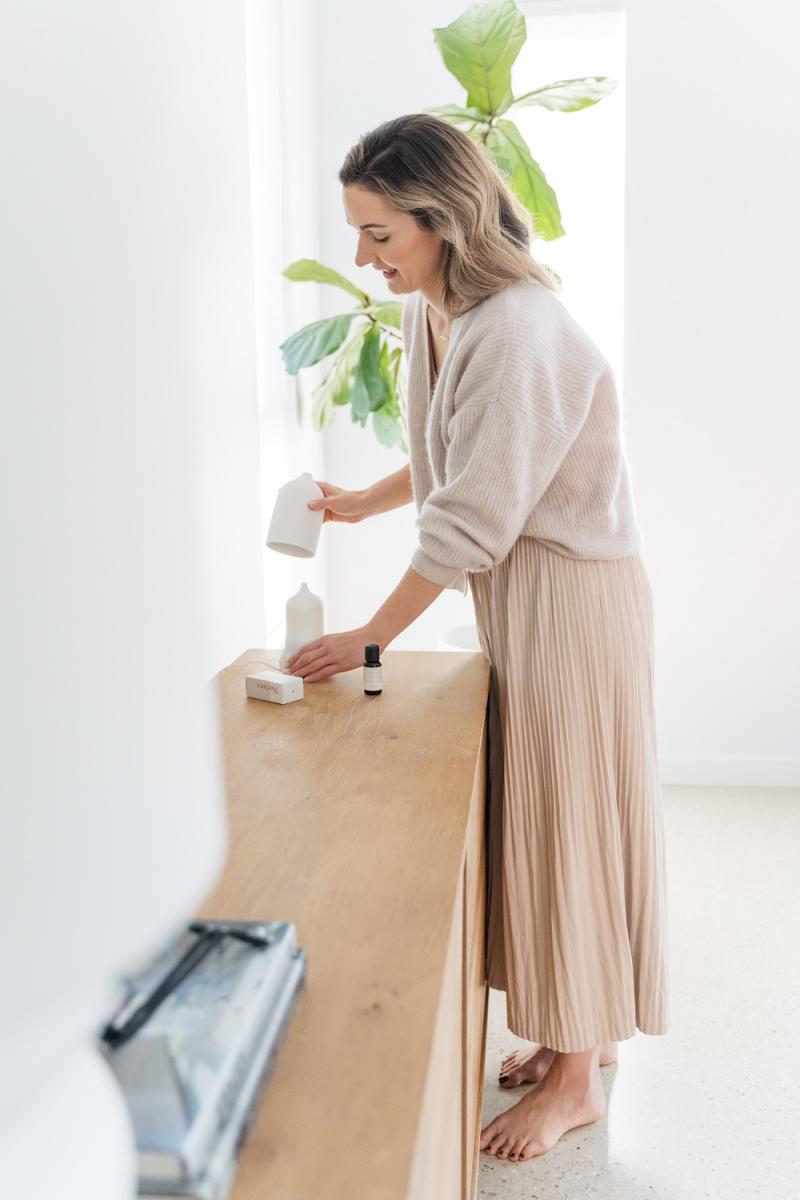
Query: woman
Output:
(518,472)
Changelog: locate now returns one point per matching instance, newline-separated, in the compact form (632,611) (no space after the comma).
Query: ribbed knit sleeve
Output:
(518,409)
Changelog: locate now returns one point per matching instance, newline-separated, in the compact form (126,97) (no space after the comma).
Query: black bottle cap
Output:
(372,654)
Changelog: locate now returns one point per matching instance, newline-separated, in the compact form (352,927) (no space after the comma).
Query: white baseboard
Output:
(719,770)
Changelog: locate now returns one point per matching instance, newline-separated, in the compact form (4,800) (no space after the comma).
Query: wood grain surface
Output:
(348,815)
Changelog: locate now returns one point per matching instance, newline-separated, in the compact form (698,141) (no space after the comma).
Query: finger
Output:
(321,670)
(300,655)
(310,663)
(318,675)
(319,500)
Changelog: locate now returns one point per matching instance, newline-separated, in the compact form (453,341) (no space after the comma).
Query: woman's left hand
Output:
(332,653)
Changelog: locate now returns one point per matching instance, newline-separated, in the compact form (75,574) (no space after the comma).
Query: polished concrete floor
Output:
(712,1109)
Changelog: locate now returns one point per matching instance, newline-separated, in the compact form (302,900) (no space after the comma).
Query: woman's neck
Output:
(440,326)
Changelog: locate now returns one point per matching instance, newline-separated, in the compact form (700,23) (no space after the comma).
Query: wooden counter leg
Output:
(475,996)
(445,1164)
(437,1171)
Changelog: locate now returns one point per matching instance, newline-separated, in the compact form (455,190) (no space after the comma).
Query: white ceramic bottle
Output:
(294,528)
(304,620)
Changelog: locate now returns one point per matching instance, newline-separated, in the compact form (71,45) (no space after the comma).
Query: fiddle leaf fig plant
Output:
(480,48)
(366,371)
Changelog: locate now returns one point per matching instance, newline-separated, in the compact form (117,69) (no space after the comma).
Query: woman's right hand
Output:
(339,504)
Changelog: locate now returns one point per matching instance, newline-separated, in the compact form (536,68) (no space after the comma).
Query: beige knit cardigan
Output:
(520,433)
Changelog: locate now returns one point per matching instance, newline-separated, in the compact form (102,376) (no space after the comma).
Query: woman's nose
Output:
(365,255)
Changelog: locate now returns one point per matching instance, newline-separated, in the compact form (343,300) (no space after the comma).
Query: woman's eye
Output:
(377,239)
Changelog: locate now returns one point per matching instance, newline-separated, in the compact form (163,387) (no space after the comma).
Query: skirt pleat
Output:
(576,922)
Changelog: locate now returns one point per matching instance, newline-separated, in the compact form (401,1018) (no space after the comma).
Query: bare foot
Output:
(536,1122)
(531,1066)
(525,1066)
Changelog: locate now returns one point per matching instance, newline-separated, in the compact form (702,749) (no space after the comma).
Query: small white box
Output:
(274,686)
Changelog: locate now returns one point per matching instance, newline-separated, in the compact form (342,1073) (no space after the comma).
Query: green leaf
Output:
(479,49)
(507,146)
(369,387)
(387,367)
(569,95)
(309,270)
(459,116)
(395,406)
(386,427)
(389,312)
(335,387)
(315,341)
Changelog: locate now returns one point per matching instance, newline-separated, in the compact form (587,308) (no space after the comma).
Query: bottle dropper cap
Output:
(372,654)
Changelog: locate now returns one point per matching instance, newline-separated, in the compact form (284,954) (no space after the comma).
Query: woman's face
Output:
(393,241)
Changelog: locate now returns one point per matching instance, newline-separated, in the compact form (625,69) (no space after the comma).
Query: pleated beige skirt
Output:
(576,923)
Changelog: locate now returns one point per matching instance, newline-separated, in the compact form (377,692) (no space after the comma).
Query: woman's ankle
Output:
(576,1068)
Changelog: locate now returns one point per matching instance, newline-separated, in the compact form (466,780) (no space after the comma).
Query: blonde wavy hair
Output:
(424,166)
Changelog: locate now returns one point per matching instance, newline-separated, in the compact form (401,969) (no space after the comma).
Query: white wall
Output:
(708,373)
(129,502)
(711,366)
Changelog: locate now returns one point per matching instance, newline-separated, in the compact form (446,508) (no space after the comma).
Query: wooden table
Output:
(361,819)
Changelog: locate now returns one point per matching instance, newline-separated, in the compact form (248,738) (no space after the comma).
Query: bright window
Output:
(582,155)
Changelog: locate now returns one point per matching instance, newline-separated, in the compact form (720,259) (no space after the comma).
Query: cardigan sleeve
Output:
(505,445)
